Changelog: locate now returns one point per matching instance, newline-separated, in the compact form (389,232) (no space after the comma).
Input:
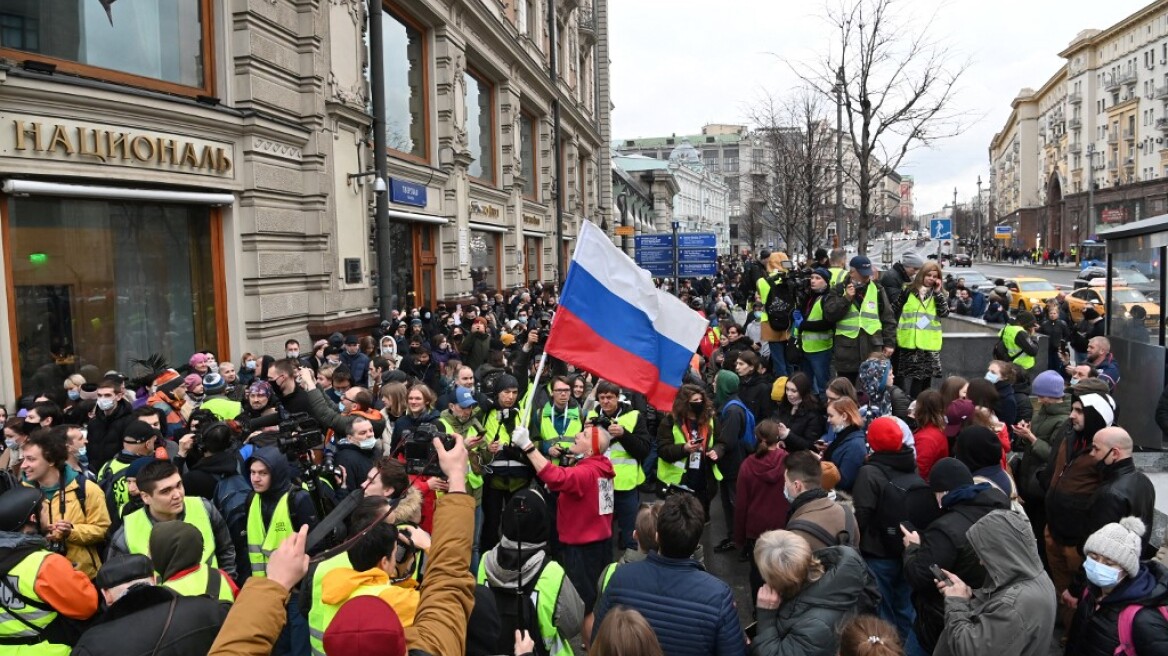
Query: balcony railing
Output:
(586,21)
(1129,135)
(1162,124)
(1111,83)
(1075,97)
(1162,92)
(1075,123)
(1076,148)
(1128,78)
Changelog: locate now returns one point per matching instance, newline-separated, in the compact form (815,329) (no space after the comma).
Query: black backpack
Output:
(906,497)
(517,612)
(780,303)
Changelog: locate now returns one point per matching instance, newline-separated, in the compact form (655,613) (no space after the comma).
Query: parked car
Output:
(976,281)
(1125,278)
(1031,293)
(962,259)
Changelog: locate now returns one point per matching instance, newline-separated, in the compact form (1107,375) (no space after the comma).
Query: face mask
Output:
(1101,575)
(368,444)
(74,394)
(29,427)
(106,404)
(697,408)
(250,364)
(1074,381)
(757,314)
(992,377)
(787,495)
(82,451)
(293,354)
(335,363)
(9,443)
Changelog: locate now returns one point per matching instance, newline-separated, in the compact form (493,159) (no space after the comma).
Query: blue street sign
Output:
(659,269)
(405,192)
(653,241)
(941,228)
(697,240)
(1003,230)
(645,256)
(697,255)
(697,269)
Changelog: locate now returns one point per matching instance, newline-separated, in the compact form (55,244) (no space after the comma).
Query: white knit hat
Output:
(1120,542)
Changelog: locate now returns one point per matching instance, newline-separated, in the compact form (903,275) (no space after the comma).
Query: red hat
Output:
(884,434)
(365,626)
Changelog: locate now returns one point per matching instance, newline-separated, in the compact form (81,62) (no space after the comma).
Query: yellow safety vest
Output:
(120,488)
(223,408)
(838,276)
(23,577)
(606,575)
(547,427)
(544,597)
(319,615)
(262,540)
(866,318)
(764,288)
(910,334)
(816,342)
(628,471)
(201,583)
(506,473)
(1009,337)
(139,525)
(473,481)
(672,472)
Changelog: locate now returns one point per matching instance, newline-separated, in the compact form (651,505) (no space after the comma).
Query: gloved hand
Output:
(521,438)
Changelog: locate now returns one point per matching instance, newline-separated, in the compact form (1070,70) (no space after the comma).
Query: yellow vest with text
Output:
(909,333)
(816,342)
(672,472)
(262,540)
(544,597)
(629,473)
(199,583)
(23,577)
(138,528)
(866,318)
(120,488)
(1009,337)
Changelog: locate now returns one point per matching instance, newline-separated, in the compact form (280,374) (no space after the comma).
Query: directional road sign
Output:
(696,269)
(659,269)
(941,228)
(697,255)
(647,255)
(697,240)
(654,241)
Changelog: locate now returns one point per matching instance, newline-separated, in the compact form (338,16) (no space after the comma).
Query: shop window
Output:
(99,284)
(480,127)
(153,43)
(484,262)
(532,258)
(404,67)
(527,139)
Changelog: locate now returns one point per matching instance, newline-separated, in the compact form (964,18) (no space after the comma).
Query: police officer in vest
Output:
(1018,342)
(40,592)
(165,500)
(816,333)
(175,548)
(630,446)
(138,441)
(864,322)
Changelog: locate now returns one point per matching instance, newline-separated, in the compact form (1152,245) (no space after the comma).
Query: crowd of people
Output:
(438,487)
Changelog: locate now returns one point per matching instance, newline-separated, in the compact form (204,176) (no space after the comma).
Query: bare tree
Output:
(897,87)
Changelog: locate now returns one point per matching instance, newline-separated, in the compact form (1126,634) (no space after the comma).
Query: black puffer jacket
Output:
(1125,492)
(755,393)
(894,281)
(868,494)
(1095,630)
(945,544)
(806,425)
(133,626)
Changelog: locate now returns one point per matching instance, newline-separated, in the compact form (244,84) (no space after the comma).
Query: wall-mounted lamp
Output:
(378,181)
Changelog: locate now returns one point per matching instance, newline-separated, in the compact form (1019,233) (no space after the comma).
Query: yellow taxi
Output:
(1093,296)
(1031,293)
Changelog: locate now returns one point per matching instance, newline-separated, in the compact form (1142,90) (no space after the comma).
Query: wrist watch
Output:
(529,449)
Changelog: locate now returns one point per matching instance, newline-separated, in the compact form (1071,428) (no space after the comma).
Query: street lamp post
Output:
(980,243)
(839,157)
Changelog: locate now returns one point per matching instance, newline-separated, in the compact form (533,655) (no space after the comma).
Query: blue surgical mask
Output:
(74,394)
(250,364)
(787,495)
(992,377)
(81,453)
(1101,575)
(1074,381)
(9,443)
(106,404)
(341,406)
(368,444)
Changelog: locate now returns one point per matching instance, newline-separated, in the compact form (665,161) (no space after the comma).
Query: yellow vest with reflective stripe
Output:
(838,276)
(198,584)
(816,342)
(1009,337)
(866,318)
(672,472)
(138,527)
(764,288)
(473,481)
(628,471)
(506,473)
(262,540)
(547,427)
(23,577)
(909,333)
(318,614)
(544,597)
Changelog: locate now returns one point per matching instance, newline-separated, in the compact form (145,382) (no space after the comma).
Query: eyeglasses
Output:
(561,390)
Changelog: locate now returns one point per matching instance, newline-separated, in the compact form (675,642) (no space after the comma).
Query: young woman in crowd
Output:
(929,438)
(761,504)
(953,388)
(849,448)
(800,419)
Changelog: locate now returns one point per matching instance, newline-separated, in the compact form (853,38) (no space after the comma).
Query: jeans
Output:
(895,595)
(293,640)
(819,365)
(650,464)
(779,358)
(627,504)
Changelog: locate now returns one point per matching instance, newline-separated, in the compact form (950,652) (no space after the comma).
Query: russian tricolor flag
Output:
(613,322)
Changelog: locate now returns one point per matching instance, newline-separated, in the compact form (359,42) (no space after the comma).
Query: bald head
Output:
(1111,445)
(1102,345)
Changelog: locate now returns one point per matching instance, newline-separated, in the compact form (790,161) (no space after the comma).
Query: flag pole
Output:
(538,374)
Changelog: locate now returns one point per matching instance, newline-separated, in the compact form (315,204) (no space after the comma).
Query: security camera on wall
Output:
(378,185)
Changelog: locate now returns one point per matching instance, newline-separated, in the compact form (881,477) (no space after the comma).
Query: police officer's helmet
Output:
(16,506)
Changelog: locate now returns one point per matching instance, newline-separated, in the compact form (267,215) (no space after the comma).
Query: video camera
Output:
(298,434)
(420,452)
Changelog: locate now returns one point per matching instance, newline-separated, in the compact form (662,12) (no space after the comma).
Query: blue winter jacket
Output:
(848,452)
(691,611)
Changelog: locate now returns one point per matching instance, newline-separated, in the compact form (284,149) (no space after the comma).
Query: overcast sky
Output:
(679,64)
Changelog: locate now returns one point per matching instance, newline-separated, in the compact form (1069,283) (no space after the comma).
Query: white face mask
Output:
(9,443)
(368,444)
(82,451)
(106,404)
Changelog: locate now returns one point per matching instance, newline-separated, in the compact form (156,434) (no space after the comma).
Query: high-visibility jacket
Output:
(672,472)
(866,318)
(319,614)
(17,638)
(764,290)
(120,489)
(138,527)
(909,331)
(263,539)
(628,471)
(816,342)
(222,407)
(473,481)
(1009,337)
(606,575)
(508,462)
(204,581)
(547,427)
(838,276)
(545,595)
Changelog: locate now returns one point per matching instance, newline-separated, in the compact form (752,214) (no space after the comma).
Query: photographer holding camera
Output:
(629,448)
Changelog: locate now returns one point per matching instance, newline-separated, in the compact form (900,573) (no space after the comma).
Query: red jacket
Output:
(759,502)
(931,445)
(578,517)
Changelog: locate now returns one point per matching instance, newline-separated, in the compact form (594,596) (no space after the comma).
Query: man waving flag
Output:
(613,322)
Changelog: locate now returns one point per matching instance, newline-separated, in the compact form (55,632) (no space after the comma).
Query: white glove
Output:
(521,438)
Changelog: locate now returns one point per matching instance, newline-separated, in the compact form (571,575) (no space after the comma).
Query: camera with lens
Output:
(600,421)
(420,453)
(298,434)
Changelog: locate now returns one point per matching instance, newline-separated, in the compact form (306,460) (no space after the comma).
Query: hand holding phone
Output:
(939,575)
